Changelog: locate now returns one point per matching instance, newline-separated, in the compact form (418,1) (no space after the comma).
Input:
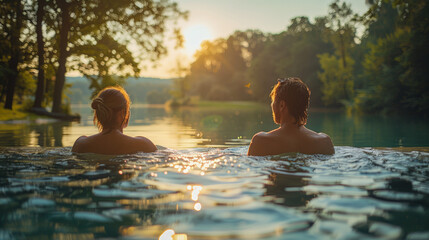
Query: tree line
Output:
(371,63)
(96,38)
(376,62)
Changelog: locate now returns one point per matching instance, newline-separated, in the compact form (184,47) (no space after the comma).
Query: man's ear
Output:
(282,105)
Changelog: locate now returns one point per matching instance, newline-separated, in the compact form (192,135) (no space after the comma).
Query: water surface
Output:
(217,127)
(202,185)
(212,193)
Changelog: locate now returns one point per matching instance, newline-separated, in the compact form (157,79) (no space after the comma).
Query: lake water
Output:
(217,127)
(201,184)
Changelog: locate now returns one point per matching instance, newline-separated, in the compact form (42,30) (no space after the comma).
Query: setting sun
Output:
(194,36)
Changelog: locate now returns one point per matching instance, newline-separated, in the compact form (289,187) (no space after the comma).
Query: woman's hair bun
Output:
(96,102)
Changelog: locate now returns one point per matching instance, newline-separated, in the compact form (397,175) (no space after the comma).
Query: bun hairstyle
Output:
(108,103)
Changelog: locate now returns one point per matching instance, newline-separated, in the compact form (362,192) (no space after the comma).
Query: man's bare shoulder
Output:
(325,143)
(258,145)
(264,136)
(261,135)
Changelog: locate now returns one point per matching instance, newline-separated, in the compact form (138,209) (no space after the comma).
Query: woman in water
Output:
(111,115)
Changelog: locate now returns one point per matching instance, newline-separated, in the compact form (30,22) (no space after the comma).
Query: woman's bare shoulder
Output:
(145,144)
(78,144)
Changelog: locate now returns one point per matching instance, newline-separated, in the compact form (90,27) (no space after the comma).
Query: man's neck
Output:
(289,125)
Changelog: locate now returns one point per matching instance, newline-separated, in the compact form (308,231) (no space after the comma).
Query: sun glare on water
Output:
(194,36)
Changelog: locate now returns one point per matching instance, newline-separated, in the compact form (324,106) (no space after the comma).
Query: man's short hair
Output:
(296,95)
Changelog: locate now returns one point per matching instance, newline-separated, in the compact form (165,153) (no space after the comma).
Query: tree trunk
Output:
(40,92)
(344,60)
(60,77)
(14,60)
(343,50)
(3,93)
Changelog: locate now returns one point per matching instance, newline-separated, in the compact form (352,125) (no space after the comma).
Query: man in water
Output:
(290,98)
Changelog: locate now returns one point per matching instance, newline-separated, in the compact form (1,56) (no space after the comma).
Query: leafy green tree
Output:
(16,46)
(40,90)
(396,67)
(180,91)
(337,79)
(416,55)
(103,33)
(25,86)
(12,21)
(291,53)
(219,71)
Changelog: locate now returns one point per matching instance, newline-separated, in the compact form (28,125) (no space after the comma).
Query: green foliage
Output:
(97,38)
(384,70)
(25,86)
(291,53)
(16,46)
(219,71)
(337,79)
(396,67)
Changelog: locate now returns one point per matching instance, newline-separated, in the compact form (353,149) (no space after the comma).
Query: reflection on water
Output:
(214,127)
(213,193)
(41,132)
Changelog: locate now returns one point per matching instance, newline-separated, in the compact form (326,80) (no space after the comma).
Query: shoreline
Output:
(34,114)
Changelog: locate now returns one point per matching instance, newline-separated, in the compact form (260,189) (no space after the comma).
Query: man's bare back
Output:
(290,139)
(290,99)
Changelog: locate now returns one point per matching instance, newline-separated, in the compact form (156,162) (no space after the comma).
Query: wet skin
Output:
(289,137)
(112,143)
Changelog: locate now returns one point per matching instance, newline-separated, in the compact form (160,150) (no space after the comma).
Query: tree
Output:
(291,53)
(103,33)
(11,24)
(181,83)
(416,54)
(341,23)
(63,52)
(336,78)
(40,54)
(396,66)
(338,83)
(219,70)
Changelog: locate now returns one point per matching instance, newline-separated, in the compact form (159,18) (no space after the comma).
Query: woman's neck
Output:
(112,130)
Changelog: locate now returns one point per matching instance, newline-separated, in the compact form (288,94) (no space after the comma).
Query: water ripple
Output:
(209,193)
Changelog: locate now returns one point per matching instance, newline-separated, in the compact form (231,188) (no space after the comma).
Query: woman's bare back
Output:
(112,143)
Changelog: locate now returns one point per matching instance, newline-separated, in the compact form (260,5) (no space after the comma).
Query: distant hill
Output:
(138,89)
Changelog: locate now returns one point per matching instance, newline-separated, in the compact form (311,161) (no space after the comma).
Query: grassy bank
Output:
(16,114)
(6,114)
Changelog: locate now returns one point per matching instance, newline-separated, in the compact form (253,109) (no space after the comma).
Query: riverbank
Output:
(16,114)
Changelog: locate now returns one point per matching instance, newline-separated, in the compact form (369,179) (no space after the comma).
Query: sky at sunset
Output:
(210,19)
